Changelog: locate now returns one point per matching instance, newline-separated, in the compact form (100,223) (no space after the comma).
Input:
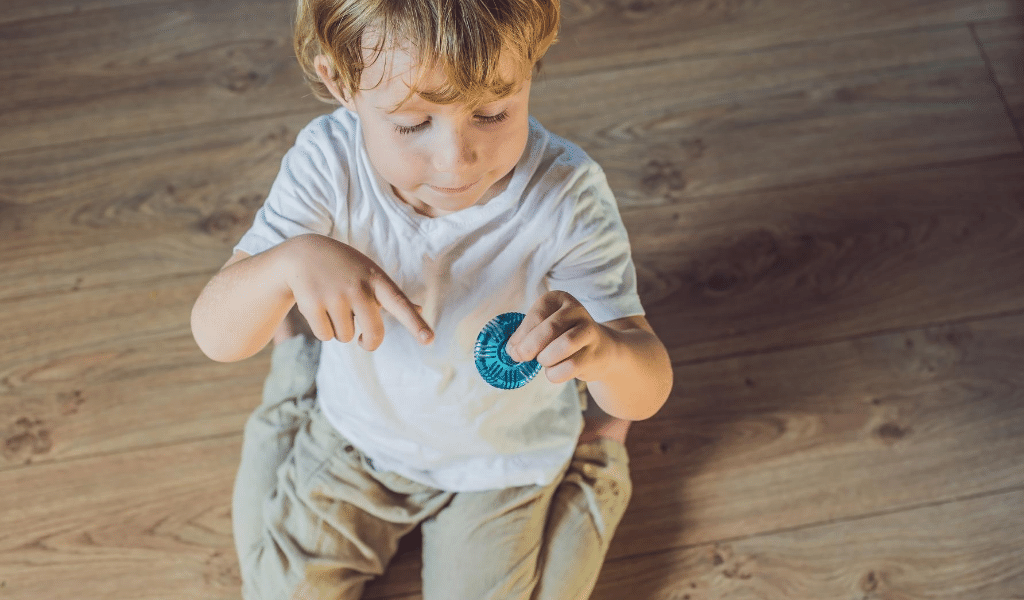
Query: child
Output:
(399,225)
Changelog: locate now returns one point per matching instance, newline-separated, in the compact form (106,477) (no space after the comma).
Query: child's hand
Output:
(336,287)
(563,337)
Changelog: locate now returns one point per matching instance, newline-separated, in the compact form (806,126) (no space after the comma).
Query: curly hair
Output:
(471,41)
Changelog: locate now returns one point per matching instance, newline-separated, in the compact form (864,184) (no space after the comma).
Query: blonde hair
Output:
(466,39)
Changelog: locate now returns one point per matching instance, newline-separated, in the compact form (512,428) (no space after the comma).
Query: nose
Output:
(454,152)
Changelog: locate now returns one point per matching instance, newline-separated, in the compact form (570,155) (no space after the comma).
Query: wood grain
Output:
(598,35)
(660,149)
(145,68)
(154,523)
(973,548)
(679,140)
(186,196)
(796,114)
(116,67)
(27,10)
(794,266)
(825,203)
(117,369)
(1003,43)
(746,447)
(775,440)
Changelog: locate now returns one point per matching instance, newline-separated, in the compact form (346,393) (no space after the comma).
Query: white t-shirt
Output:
(425,412)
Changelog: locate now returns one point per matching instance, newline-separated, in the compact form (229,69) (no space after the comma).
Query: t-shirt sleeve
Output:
(304,196)
(595,264)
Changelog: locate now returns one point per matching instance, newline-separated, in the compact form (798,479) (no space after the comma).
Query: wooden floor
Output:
(826,205)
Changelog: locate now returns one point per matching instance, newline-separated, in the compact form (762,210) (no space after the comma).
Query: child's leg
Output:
(587,508)
(486,545)
(585,512)
(332,522)
(288,395)
(532,542)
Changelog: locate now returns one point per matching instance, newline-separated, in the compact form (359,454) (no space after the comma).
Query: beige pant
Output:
(313,518)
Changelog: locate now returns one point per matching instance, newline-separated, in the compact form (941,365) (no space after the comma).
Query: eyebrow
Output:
(404,107)
(398,109)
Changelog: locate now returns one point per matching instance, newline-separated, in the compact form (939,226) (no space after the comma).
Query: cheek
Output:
(512,148)
(393,158)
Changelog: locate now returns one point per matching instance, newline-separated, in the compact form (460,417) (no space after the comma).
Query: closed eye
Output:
(498,118)
(484,119)
(407,130)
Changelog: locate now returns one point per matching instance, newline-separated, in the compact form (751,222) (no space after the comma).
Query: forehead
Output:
(395,71)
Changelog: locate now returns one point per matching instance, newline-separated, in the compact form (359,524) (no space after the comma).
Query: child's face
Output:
(438,158)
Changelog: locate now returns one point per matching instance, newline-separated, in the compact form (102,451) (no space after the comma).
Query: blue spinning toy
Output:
(495,365)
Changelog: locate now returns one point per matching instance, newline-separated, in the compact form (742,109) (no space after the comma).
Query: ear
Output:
(326,72)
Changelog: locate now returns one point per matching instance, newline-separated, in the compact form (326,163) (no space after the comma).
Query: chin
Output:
(452,202)
(452,207)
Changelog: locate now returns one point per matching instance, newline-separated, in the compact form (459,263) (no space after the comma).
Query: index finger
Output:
(399,306)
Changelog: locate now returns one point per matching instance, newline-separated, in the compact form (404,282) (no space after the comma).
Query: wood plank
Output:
(25,10)
(115,257)
(663,149)
(178,202)
(105,242)
(747,446)
(116,67)
(146,68)
(795,114)
(778,440)
(598,35)
(653,30)
(62,418)
(1003,42)
(149,524)
(167,166)
(112,369)
(962,549)
(806,264)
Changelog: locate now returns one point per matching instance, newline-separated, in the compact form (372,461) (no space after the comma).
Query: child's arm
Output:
(625,365)
(241,306)
(333,284)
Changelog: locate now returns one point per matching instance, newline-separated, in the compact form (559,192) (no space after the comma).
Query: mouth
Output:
(452,190)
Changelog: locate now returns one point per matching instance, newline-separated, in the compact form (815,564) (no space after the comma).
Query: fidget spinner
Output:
(492,360)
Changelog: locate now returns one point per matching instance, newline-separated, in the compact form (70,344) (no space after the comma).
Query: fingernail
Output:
(424,336)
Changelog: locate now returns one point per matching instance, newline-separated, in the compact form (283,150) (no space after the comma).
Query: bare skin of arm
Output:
(334,287)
